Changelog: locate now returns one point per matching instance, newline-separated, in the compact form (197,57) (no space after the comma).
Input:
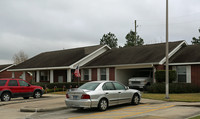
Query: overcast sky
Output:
(36,26)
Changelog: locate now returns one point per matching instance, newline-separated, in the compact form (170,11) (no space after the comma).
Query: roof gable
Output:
(61,58)
(153,53)
(188,54)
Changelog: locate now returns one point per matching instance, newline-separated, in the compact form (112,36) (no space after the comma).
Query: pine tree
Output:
(109,39)
(132,39)
(196,40)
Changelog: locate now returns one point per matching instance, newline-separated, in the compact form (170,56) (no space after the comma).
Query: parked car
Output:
(101,94)
(140,82)
(12,88)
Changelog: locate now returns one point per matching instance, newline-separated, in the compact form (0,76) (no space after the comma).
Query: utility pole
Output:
(135,31)
(167,59)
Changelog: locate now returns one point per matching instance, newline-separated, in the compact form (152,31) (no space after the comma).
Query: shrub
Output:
(174,88)
(160,76)
(57,85)
(52,90)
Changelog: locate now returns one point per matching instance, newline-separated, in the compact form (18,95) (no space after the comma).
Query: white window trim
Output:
(188,74)
(99,74)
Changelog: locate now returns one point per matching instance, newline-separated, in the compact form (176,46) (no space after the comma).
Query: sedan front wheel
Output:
(135,99)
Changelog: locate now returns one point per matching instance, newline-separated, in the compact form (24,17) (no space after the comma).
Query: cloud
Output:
(38,26)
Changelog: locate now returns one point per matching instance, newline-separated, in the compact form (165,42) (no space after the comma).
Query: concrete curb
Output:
(25,100)
(42,109)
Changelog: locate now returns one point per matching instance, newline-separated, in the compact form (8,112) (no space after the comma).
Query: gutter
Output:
(187,63)
(7,67)
(124,65)
(34,69)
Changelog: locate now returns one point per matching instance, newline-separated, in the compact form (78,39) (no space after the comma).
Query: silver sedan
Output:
(101,94)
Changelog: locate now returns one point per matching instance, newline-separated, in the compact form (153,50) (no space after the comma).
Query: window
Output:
(44,75)
(60,79)
(3,82)
(181,71)
(23,83)
(108,86)
(103,73)
(12,83)
(86,74)
(119,86)
(89,86)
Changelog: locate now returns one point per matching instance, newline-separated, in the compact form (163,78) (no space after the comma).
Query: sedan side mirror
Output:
(126,87)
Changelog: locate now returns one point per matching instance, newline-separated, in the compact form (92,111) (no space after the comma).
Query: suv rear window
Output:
(3,82)
(13,83)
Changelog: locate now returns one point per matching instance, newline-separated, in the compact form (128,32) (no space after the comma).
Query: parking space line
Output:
(124,112)
(105,112)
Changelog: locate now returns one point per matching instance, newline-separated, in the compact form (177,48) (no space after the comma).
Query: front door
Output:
(25,89)
(111,94)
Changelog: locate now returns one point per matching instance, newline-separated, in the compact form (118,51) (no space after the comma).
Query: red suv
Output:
(12,88)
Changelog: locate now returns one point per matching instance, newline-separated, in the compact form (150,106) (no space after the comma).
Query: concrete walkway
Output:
(55,102)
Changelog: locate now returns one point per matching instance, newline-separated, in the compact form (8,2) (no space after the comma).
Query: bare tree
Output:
(20,57)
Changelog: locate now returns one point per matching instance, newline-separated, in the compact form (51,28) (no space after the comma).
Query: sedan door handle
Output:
(119,92)
(107,93)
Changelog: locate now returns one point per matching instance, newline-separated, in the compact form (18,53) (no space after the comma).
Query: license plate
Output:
(75,97)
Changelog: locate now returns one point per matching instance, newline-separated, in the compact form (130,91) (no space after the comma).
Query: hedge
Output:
(174,88)
(160,76)
(58,85)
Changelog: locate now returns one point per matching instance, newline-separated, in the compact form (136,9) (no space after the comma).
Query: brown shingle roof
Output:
(187,54)
(59,58)
(153,53)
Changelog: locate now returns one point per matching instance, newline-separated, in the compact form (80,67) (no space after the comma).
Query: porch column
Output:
(98,75)
(154,72)
(69,75)
(24,75)
(107,74)
(13,75)
(90,74)
(188,74)
(82,75)
(51,76)
(37,76)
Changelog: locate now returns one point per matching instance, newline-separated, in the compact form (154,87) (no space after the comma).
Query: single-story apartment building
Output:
(103,63)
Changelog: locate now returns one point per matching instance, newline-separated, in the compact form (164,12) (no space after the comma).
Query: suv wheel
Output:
(5,96)
(37,94)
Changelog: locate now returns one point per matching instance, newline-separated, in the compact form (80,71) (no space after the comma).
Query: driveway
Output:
(148,109)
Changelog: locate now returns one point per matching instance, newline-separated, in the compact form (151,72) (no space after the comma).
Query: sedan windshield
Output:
(89,86)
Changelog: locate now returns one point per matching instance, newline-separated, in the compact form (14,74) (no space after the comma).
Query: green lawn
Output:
(187,97)
(197,117)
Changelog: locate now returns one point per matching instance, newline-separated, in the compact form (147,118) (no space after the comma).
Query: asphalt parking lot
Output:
(53,107)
